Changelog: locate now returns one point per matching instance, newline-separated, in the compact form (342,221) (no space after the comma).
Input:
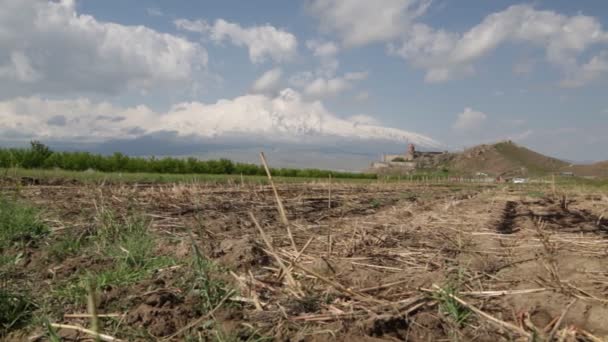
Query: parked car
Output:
(519,180)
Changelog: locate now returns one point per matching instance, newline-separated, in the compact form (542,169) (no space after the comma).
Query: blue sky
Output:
(315,73)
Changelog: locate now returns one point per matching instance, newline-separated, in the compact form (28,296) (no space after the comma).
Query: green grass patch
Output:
(129,244)
(65,247)
(455,311)
(15,310)
(57,175)
(211,290)
(19,224)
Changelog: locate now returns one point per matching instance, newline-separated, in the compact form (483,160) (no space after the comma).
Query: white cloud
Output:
(447,55)
(588,72)
(71,119)
(19,69)
(286,116)
(48,47)
(322,49)
(521,136)
(263,42)
(326,51)
(326,87)
(359,22)
(363,119)
(268,82)
(469,120)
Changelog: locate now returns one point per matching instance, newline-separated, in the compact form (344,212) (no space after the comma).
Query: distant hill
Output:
(505,159)
(589,170)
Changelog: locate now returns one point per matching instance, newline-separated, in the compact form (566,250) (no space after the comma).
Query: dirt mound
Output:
(163,313)
(241,253)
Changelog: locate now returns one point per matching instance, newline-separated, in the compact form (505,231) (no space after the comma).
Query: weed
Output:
(375,203)
(112,228)
(211,290)
(9,262)
(19,223)
(65,247)
(134,249)
(51,333)
(131,247)
(457,313)
(15,310)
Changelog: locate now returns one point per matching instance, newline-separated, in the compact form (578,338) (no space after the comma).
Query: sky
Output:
(329,83)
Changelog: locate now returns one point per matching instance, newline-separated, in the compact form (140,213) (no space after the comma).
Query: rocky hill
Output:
(505,159)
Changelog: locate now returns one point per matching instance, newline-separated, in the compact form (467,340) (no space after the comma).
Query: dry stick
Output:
(102,337)
(298,255)
(279,202)
(384,286)
(329,194)
(83,315)
(329,227)
(590,337)
(290,280)
(92,307)
(489,317)
(559,321)
(502,293)
(337,285)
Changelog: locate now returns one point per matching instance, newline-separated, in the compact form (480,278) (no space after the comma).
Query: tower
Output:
(411,152)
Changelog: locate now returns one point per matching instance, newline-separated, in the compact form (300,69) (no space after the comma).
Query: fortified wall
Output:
(409,161)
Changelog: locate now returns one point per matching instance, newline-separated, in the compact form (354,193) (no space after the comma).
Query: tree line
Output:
(40,156)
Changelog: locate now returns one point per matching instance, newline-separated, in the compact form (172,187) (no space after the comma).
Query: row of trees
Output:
(41,156)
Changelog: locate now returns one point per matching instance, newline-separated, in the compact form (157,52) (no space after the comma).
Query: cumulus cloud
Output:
(48,47)
(318,85)
(71,119)
(263,42)
(268,82)
(446,55)
(588,72)
(359,22)
(326,52)
(469,120)
(285,117)
(322,49)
